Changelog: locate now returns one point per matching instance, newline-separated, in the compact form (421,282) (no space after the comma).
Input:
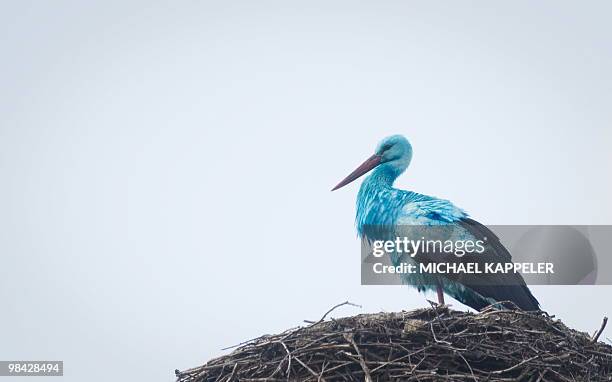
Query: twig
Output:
(364,367)
(231,377)
(436,339)
(314,374)
(331,310)
(601,329)
(515,366)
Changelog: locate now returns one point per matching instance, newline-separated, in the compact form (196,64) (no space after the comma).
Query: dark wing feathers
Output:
(502,286)
(484,287)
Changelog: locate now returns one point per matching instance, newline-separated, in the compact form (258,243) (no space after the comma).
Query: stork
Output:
(380,204)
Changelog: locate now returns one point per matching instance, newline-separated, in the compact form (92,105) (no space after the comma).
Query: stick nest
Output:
(436,344)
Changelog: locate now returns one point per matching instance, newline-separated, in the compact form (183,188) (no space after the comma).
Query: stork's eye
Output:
(386,147)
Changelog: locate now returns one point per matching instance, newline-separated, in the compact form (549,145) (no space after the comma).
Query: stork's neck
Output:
(377,202)
(384,175)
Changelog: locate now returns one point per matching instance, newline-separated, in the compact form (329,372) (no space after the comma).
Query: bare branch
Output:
(601,329)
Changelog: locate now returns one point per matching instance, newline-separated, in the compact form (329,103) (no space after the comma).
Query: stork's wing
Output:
(499,286)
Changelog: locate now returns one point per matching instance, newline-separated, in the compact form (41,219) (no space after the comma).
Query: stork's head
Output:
(392,153)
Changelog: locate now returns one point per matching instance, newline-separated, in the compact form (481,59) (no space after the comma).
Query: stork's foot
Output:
(435,304)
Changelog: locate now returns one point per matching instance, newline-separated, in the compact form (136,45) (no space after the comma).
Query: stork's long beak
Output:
(366,166)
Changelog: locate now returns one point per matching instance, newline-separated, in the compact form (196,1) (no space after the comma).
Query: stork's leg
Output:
(440,294)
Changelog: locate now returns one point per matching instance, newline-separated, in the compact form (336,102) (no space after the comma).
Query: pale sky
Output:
(166,166)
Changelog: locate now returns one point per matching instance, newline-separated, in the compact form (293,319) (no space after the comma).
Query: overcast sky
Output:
(166,166)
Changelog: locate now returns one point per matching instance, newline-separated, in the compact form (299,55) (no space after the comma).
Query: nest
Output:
(436,344)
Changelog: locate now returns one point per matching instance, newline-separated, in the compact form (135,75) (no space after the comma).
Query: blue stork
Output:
(380,204)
